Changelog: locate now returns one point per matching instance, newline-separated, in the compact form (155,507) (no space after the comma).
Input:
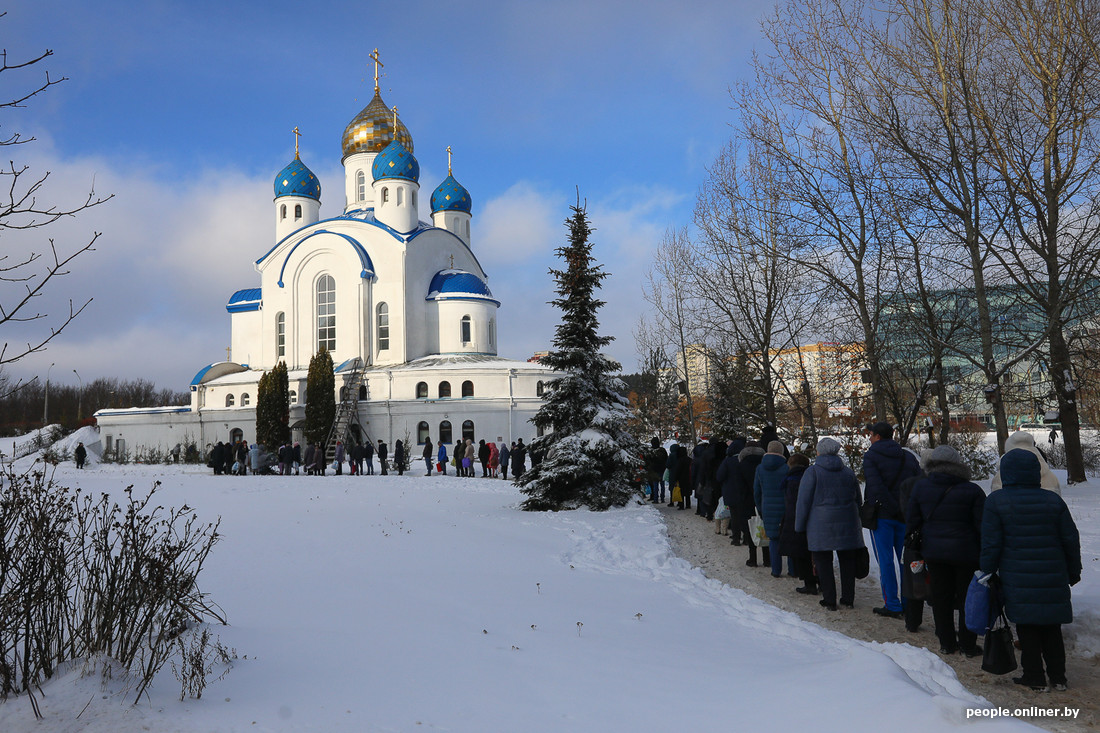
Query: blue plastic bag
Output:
(979,605)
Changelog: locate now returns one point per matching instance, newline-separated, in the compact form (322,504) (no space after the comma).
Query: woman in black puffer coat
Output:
(792,543)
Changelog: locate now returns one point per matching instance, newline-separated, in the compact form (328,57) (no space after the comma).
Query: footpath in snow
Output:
(411,603)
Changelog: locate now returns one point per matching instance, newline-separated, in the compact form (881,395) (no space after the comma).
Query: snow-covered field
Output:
(411,603)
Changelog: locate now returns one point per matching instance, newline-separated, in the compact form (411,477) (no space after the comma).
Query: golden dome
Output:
(372,130)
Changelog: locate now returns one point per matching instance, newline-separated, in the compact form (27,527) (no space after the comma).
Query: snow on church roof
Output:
(459,285)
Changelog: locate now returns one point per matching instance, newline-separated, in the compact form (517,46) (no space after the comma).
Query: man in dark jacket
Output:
(655,470)
(727,481)
(885,465)
(519,456)
(747,462)
(1030,540)
(429,451)
(483,454)
(383,452)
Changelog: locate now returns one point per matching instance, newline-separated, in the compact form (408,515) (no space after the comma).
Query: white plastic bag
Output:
(756,531)
(723,511)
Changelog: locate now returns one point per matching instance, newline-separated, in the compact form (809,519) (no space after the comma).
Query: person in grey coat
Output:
(828,512)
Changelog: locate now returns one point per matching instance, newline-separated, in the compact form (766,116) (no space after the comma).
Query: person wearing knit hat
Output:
(1030,540)
(945,507)
(767,492)
(828,512)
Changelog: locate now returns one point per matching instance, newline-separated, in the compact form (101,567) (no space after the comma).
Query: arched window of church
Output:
(422,433)
(466,330)
(467,388)
(445,432)
(467,230)
(383,327)
(444,389)
(492,332)
(326,313)
(421,390)
(385,195)
(297,212)
(280,334)
(229,400)
(361,186)
(468,430)
(282,212)
(539,389)
(414,199)
(293,397)
(244,400)
(400,195)
(362,391)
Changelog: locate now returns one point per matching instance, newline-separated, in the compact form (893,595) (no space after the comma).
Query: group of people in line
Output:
(1022,532)
(496,458)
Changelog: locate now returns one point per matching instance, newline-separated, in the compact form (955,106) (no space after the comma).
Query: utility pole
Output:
(46,403)
(79,399)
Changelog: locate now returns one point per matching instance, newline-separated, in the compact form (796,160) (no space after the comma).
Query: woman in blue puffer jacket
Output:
(767,492)
(1030,540)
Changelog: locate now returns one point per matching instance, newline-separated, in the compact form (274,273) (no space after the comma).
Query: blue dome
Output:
(395,161)
(451,196)
(297,180)
(448,284)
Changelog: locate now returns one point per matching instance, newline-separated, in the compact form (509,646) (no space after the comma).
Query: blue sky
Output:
(184,112)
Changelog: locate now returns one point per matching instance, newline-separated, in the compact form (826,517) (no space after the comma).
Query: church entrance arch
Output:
(236,435)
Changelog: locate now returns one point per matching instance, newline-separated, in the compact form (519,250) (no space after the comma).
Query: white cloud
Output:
(521,224)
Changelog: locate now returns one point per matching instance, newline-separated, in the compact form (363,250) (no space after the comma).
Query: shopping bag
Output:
(756,531)
(723,511)
(978,608)
(676,495)
(863,563)
(439,466)
(999,656)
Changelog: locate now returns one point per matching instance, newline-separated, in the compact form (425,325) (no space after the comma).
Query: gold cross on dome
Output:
(448,160)
(377,64)
(452,262)
(395,122)
(228,352)
(296,136)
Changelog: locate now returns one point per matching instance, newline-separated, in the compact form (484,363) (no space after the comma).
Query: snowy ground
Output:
(407,603)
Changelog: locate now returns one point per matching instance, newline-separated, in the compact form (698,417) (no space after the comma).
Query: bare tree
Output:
(26,277)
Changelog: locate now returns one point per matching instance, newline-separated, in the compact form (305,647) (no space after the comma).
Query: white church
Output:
(403,306)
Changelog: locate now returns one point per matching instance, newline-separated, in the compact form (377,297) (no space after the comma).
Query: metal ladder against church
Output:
(346,411)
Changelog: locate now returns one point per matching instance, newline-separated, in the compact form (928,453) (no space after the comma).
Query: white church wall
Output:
(352,166)
(246,346)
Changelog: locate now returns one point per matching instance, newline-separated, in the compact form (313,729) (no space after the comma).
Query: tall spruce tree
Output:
(589,458)
(273,407)
(320,397)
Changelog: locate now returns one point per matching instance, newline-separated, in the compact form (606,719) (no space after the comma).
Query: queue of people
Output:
(929,523)
(495,458)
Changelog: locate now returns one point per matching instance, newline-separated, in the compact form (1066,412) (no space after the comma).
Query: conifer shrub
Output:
(320,397)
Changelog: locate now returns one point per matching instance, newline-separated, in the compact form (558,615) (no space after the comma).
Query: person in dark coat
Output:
(747,461)
(767,435)
(1030,540)
(429,454)
(791,542)
(675,466)
(656,459)
(81,454)
(368,457)
(338,457)
(707,490)
(767,492)
(828,512)
(399,457)
(319,460)
(885,465)
(383,453)
(727,477)
(946,508)
(696,475)
(307,460)
(483,454)
(505,455)
(519,455)
(296,457)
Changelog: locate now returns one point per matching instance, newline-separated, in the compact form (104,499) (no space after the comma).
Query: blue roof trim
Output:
(202,373)
(245,300)
(148,411)
(364,258)
(471,298)
(459,285)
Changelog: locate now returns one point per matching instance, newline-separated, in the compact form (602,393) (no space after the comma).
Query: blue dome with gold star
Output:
(451,196)
(395,161)
(297,180)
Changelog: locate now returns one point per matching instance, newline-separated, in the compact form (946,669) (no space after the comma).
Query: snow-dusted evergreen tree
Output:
(273,407)
(320,397)
(588,457)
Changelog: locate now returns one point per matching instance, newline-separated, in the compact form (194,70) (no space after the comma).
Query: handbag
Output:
(868,515)
(916,586)
(676,495)
(439,466)
(863,563)
(757,533)
(999,656)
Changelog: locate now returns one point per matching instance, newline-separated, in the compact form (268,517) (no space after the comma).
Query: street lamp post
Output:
(46,403)
(79,398)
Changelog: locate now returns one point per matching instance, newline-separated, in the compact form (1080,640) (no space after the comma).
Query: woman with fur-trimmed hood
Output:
(1024,440)
(946,507)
